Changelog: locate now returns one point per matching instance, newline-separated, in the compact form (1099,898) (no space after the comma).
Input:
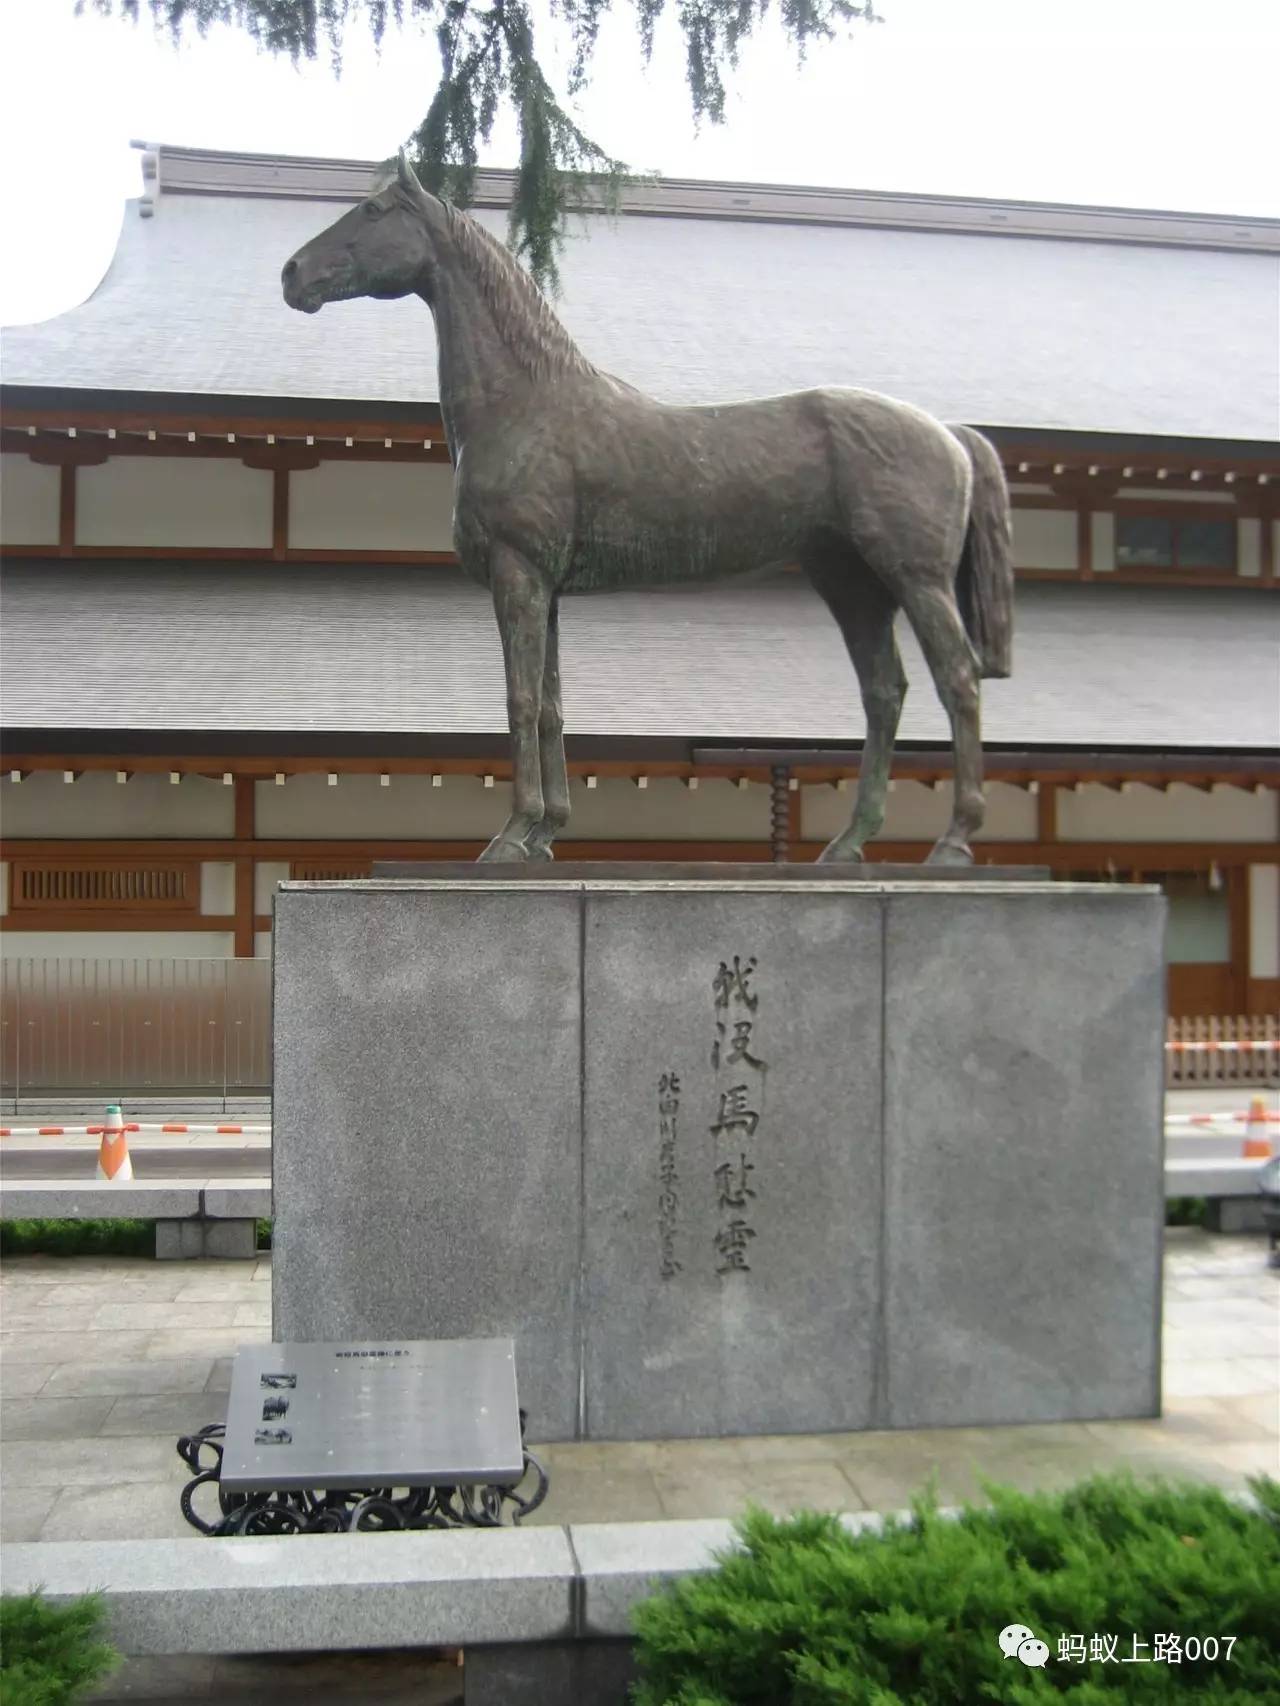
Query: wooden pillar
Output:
(279,512)
(1084,542)
(244,831)
(1237,877)
(1047,813)
(67,509)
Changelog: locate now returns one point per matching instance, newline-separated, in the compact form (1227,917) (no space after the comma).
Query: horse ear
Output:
(408,177)
(383,177)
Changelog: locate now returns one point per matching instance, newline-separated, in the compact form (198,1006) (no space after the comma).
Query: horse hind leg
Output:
(932,611)
(864,612)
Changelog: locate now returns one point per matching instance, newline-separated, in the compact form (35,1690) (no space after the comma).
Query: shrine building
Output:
(237,647)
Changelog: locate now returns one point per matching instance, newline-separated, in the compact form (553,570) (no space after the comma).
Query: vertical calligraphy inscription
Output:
(739,1081)
(668,1177)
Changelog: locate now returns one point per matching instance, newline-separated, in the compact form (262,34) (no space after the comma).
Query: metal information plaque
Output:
(373,1413)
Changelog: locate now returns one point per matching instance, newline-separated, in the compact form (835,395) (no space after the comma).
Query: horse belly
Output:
(734,521)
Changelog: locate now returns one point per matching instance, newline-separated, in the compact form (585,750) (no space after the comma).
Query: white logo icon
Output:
(1017,1640)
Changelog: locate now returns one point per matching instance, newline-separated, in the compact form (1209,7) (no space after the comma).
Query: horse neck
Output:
(498,340)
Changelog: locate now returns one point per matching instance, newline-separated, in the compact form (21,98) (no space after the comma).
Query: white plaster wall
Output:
(1102,528)
(172,500)
(615,809)
(462,808)
(99,806)
(217,887)
(1249,546)
(118,944)
(372,506)
(1182,814)
(262,945)
(919,813)
(359,808)
(267,873)
(1264,921)
(1044,538)
(28,501)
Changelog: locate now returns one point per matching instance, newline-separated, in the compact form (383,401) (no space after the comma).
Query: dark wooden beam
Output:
(67,510)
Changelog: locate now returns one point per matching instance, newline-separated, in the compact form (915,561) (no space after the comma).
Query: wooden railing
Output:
(1242,1050)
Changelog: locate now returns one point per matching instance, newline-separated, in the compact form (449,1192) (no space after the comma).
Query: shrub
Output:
(89,1237)
(1186,1211)
(77,1238)
(51,1654)
(806,1614)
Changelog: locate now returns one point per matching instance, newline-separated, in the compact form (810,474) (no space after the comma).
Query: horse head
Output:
(383,247)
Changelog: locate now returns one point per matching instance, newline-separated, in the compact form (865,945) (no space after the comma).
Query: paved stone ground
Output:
(103,1362)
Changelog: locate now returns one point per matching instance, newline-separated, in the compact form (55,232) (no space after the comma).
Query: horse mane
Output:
(521,313)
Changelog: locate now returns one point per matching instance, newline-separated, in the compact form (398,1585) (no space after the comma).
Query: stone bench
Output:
(194,1217)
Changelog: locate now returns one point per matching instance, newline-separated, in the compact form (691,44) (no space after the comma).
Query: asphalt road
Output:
(67,1165)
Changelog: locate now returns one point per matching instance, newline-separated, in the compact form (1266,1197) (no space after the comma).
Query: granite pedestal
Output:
(730,1155)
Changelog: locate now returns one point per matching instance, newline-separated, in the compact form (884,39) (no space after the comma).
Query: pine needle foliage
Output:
(488,59)
(806,1614)
(51,1654)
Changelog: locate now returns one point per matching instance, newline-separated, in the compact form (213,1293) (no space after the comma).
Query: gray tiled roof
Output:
(998,329)
(398,649)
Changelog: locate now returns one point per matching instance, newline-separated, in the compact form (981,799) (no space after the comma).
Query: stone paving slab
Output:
(89,1413)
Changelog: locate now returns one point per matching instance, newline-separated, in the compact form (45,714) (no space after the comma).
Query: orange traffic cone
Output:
(113,1157)
(1257,1141)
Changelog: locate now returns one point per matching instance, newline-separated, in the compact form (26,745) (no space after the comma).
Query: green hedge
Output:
(77,1238)
(48,1654)
(89,1237)
(809,1615)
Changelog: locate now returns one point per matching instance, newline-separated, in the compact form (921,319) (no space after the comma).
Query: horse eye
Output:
(370,211)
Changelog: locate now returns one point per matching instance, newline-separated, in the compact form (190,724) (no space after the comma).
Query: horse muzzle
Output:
(296,293)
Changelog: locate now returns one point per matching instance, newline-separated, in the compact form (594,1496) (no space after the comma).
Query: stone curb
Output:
(313,1593)
(141,1199)
(306,1593)
(1232,1176)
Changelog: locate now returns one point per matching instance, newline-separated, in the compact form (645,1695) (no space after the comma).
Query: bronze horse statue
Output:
(569,480)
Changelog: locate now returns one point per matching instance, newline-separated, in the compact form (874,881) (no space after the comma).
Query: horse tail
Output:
(984,580)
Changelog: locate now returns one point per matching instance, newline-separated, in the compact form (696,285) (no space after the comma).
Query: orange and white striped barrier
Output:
(1227,1047)
(1257,1140)
(1247,1114)
(114,1164)
(133,1125)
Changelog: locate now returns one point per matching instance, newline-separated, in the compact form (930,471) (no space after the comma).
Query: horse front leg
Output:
(522,605)
(555,775)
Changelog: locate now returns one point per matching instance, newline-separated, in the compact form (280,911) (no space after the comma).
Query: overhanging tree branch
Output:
(488,59)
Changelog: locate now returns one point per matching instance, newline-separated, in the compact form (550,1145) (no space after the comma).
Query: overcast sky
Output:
(1138,103)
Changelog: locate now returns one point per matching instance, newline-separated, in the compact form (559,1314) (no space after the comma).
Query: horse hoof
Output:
(500,852)
(835,854)
(950,853)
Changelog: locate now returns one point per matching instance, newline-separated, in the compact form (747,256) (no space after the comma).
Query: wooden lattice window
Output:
(40,885)
(328,870)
